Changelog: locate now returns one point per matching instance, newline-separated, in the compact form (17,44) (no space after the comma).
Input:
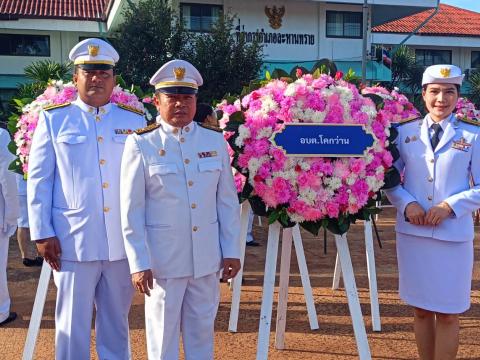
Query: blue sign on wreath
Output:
(324,140)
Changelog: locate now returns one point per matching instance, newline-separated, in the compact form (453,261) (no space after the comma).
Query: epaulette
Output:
(147,129)
(407,121)
(210,127)
(471,122)
(55,106)
(129,108)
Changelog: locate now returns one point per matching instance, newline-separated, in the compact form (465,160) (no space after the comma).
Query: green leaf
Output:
(18,102)
(268,76)
(15,167)
(377,100)
(119,80)
(274,216)
(313,227)
(238,117)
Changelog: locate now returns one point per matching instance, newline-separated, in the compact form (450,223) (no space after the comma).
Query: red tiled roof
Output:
(57,9)
(449,21)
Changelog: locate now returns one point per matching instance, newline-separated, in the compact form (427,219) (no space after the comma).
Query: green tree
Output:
(225,60)
(474,81)
(150,35)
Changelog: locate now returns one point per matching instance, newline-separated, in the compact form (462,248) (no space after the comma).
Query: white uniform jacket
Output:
(73,179)
(179,205)
(444,175)
(8,188)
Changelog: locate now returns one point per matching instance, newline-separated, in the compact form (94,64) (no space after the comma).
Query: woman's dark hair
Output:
(203,110)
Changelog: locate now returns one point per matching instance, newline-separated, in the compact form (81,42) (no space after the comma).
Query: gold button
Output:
(187,161)
(187,129)
(100,138)
(102,161)
(161,152)
(90,109)
(194,206)
(105,185)
(175,131)
(432,160)
(182,140)
(430,198)
(106,209)
(430,179)
(102,110)
(97,118)
(190,183)
(195,228)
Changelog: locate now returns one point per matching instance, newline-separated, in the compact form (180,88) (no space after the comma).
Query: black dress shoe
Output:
(12,316)
(38,261)
(253,243)
(29,262)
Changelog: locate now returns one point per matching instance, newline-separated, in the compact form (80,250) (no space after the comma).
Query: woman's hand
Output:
(436,214)
(415,213)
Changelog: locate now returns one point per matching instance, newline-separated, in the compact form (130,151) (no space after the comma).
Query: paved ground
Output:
(334,339)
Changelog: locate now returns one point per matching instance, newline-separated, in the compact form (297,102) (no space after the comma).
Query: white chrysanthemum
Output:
(268,104)
(308,195)
(265,132)
(296,218)
(243,133)
(370,111)
(333,183)
(255,163)
(291,90)
(351,179)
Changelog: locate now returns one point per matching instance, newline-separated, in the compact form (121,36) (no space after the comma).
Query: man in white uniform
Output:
(180,218)
(74,207)
(8,224)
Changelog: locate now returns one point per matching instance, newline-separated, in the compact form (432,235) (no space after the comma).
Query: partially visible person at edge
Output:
(8,223)
(180,218)
(29,255)
(74,207)
(205,114)
(439,155)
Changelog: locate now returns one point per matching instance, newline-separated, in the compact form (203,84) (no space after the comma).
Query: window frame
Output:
(343,24)
(47,37)
(201,30)
(478,59)
(430,50)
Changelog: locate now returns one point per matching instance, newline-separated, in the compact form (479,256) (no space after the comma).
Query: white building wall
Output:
(461,47)
(64,34)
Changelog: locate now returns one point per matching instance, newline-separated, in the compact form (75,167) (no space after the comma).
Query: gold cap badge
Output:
(445,72)
(93,50)
(179,73)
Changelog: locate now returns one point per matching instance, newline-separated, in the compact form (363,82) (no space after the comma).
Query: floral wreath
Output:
(57,92)
(314,192)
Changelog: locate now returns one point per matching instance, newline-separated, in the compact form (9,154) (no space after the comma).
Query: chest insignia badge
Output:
(207,154)
(407,140)
(461,145)
(123,131)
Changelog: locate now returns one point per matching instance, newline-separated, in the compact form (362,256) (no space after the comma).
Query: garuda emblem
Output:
(275,16)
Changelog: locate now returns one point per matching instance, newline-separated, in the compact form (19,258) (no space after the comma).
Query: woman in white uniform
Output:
(439,155)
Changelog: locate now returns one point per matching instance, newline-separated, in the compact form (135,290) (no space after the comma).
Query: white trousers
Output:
(185,305)
(81,286)
(4,296)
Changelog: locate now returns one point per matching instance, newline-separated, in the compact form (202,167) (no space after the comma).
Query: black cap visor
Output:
(95,66)
(178,90)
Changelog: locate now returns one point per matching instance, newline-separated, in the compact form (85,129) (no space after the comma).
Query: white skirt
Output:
(435,275)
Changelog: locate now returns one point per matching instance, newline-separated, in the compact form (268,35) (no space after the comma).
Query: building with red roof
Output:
(452,36)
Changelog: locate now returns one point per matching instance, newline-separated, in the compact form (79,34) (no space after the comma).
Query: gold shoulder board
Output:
(55,106)
(147,129)
(209,127)
(471,122)
(129,108)
(406,121)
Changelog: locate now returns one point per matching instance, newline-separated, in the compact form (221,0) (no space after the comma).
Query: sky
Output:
(473,5)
